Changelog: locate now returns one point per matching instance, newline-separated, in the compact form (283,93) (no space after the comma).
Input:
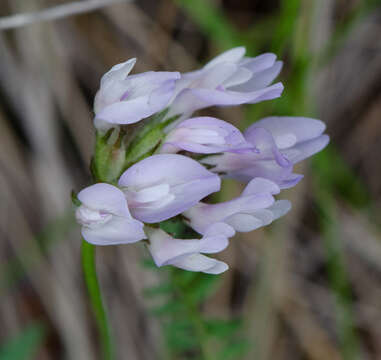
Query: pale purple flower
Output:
(126,99)
(187,254)
(280,143)
(254,208)
(204,135)
(105,217)
(297,138)
(165,185)
(162,186)
(229,79)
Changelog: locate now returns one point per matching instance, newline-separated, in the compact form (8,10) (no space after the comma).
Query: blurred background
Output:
(307,287)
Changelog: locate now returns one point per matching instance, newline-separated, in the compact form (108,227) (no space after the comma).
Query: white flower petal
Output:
(259,186)
(188,180)
(259,63)
(199,262)
(306,149)
(241,75)
(119,230)
(280,208)
(118,72)
(260,79)
(233,55)
(243,222)
(165,250)
(105,197)
(301,127)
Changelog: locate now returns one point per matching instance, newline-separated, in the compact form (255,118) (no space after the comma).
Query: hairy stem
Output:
(90,274)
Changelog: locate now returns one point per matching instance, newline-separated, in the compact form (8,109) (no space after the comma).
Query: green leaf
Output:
(204,285)
(183,279)
(222,328)
(234,350)
(162,289)
(25,345)
(179,335)
(168,308)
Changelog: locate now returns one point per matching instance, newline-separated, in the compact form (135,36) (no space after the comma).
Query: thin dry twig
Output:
(53,13)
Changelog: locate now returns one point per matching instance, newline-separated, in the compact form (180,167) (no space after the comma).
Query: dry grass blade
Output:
(135,23)
(56,12)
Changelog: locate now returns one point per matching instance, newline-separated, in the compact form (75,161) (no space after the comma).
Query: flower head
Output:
(126,99)
(158,184)
(105,217)
(228,79)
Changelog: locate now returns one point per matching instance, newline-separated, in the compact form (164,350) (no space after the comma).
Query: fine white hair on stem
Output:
(56,12)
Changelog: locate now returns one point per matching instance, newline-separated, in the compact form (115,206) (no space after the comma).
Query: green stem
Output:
(90,274)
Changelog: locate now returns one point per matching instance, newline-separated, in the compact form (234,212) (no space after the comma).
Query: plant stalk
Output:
(91,279)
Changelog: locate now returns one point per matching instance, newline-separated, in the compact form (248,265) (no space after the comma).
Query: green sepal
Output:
(74,199)
(169,121)
(142,147)
(178,229)
(149,138)
(109,159)
(113,156)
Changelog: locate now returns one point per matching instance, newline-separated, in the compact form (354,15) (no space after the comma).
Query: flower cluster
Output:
(168,162)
